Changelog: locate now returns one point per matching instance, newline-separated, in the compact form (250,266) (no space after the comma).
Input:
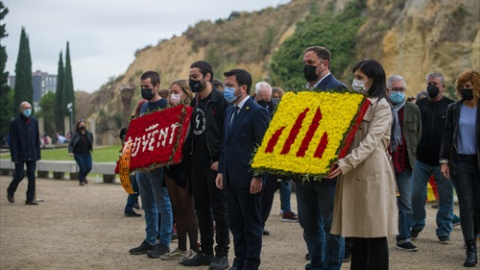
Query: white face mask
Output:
(359,86)
(175,99)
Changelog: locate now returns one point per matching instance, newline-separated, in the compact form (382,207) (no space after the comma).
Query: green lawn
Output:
(100,154)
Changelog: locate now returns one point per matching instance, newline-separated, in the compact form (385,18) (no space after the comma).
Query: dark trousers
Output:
(132,198)
(244,212)
(209,200)
(84,162)
(268,193)
(18,176)
(467,183)
(369,254)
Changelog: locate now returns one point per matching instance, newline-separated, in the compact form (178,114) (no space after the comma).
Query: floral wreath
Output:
(309,132)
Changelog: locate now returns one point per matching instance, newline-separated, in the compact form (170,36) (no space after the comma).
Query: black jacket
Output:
(215,114)
(449,142)
(76,137)
(24,139)
(433,122)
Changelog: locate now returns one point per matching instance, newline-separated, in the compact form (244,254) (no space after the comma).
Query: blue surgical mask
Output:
(27,112)
(397,97)
(229,94)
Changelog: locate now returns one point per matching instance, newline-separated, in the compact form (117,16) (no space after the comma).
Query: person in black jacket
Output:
(460,156)
(433,110)
(80,147)
(24,150)
(204,140)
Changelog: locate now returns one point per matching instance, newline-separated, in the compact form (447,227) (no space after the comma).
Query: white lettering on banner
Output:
(162,137)
(151,141)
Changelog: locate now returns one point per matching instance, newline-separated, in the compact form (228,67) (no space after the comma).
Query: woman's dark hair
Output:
(77,129)
(376,73)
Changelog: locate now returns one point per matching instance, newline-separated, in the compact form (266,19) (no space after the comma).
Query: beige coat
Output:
(365,201)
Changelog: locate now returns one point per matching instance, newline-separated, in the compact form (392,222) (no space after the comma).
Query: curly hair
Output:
(468,76)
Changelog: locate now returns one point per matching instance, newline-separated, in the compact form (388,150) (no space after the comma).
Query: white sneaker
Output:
(189,254)
(175,254)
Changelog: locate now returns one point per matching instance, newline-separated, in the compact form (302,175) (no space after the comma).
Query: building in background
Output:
(42,84)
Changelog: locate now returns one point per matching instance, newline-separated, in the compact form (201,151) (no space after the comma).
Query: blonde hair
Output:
(183,84)
(469,76)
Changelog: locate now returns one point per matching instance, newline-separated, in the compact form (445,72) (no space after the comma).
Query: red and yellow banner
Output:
(308,133)
(157,138)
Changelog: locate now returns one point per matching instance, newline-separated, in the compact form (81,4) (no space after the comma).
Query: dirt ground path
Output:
(84,228)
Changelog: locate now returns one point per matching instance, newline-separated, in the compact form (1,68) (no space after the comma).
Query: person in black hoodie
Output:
(204,143)
(24,149)
(433,110)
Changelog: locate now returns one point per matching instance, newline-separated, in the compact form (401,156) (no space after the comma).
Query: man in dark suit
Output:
(315,199)
(244,127)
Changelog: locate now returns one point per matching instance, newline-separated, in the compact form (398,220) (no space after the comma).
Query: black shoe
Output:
(10,198)
(160,250)
(307,257)
(142,249)
(136,206)
(132,213)
(265,232)
(407,246)
(414,234)
(234,268)
(31,203)
(219,263)
(471,259)
(199,259)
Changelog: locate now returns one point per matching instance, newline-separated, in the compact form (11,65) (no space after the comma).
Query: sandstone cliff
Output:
(410,38)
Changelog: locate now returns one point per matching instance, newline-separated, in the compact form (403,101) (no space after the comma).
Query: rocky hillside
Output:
(409,37)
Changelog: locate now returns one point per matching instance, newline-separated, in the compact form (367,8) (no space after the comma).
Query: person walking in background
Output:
(80,147)
(315,199)
(24,151)
(406,132)
(177,179)
(244,127)
(154,195)
(365,204)
(460,157)
(204,143)
(433,110)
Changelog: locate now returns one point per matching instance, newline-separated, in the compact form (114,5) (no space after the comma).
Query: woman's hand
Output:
(334,172)
(445,170)
(70,154)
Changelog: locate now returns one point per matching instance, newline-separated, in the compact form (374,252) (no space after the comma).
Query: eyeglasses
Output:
(81,120)
(399,89)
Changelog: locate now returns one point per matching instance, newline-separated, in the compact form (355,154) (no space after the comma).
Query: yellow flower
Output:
(296,151)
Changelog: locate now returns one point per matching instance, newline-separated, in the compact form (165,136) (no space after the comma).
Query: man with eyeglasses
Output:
(406,132)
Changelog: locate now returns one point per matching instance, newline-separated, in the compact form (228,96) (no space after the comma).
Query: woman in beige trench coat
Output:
(365,205)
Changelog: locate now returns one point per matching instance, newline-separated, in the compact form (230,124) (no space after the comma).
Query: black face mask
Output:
(265,103)
(466,93)
(432,91)
(147,94)
(195,86)
(309,73)
(82,128)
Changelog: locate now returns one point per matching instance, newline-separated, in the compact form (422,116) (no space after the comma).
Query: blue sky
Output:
(104,34)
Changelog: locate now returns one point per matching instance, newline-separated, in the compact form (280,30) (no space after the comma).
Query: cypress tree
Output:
(23,73)
(60,98)
(68,83)
(5,97)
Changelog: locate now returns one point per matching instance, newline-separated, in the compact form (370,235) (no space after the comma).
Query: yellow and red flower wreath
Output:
(310,131)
